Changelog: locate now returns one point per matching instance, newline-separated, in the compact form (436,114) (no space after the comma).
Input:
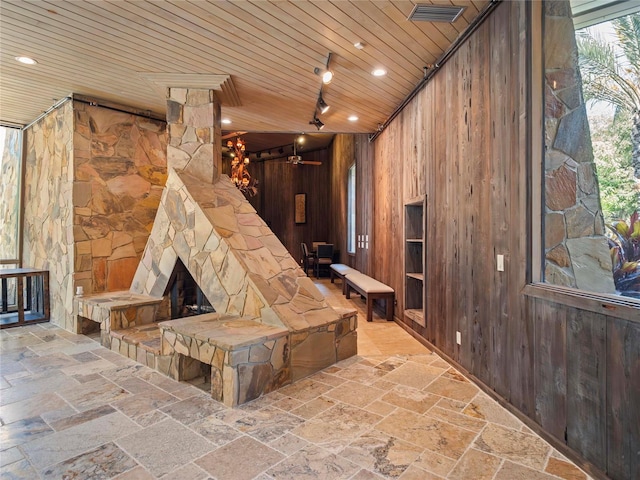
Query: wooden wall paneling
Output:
(479,241)
(502,136)
(520,343)
(463,252)
(586,384)
(623,398)
(365,207)
(550,377)
(281,182)
(428,101)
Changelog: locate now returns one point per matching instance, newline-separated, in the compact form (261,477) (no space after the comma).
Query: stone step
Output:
(148,337)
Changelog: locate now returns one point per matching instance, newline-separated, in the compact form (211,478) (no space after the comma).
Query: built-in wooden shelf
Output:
(417,276)
(414,222)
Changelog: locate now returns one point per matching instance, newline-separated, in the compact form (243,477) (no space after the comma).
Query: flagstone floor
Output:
(71,409)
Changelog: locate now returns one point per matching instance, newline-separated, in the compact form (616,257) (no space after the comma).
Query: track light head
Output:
(322,105)
(317,123)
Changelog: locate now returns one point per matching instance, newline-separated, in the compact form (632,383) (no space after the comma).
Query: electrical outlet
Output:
(500,262)
(458,338)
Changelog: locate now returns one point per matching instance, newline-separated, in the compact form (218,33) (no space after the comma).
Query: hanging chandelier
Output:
(239,169)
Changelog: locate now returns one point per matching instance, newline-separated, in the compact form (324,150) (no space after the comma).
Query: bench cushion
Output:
(368,284)
(343,269)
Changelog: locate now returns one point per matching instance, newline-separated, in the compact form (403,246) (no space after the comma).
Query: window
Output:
(10,173)
(591,189)
(351,210)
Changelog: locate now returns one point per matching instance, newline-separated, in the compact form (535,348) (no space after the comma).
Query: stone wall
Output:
(9,192)
(48,207)
(93,182)
(576,250)
(120,170)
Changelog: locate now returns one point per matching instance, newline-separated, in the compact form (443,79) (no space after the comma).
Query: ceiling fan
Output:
(296,159)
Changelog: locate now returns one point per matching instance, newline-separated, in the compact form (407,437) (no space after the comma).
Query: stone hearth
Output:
(272,326)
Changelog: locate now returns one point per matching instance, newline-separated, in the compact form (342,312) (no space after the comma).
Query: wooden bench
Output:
(371,289)
(340,270)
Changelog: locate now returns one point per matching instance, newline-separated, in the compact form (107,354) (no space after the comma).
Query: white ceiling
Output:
(591,12)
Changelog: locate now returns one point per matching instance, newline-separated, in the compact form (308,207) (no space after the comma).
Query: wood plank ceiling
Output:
(115,50)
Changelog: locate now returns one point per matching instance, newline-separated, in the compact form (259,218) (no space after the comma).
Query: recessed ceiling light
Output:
(226,121)
(379,72)
(359,45)
(353,118)
(26,60)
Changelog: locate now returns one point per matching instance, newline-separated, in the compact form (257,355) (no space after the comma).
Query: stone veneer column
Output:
(193,121)
(576,250)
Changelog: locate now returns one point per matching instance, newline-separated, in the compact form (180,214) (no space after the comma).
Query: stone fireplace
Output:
(268,324)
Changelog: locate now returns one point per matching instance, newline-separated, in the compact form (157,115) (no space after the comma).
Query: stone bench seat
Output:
(340,270)
(117,310)
(371,289)
(247,358)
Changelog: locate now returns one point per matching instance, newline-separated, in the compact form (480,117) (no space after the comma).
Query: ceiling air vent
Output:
(435,13)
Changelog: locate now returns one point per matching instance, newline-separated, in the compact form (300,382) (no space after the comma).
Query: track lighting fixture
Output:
(317,123)
(327,75)
(322,105)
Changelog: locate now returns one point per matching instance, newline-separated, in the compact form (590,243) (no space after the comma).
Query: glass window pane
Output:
(10,161)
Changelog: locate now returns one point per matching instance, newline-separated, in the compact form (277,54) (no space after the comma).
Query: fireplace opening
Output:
(196,373)
(185,296)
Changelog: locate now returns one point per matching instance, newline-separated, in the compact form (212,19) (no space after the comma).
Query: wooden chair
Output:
(324,257)
(308,258)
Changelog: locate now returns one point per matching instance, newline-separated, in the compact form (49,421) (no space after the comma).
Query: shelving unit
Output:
(414,251)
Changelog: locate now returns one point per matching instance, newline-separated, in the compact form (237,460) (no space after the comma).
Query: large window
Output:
(592,155)
(351,210)
(10,173)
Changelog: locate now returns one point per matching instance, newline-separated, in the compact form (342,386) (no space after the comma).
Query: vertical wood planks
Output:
(623,399)
(550,367)
(586,395)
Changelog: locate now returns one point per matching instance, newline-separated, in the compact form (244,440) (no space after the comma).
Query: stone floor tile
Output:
(354,393)
(381,453)
(242,459)
(60,446)
(380,408)
(10,455)
(475,464)
(80,418)
(313,463)
(414,473)
(188,472)
(30,407)
(563,469)
(101,463)
(305,389)
(192,409)
(288,444)
(216,431)
(150,418)
(414,375)
(288,404)
(164,446)
(138,473)
(481,406)
(366,475)
(459,419)
(20,470)
(519,447)
(435,463)
(446,387)
(23,431)
(410,398)
(513,471)
(428,432)
(138,404)
(335,428)
(267,424)
(314,407)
